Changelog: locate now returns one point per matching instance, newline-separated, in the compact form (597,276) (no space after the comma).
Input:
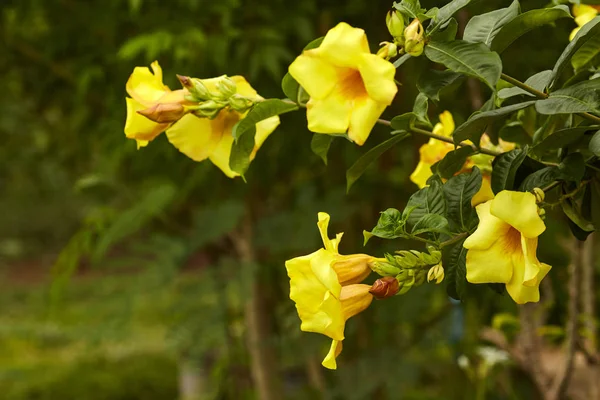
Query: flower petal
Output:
(446,125)
(489,266)
(263,129)
(144,86)
(196,137)
(378,77)
(334,351)
(520,210)
(421,174)
(522,294)
(489,230)
(343,46)
(485,193)
(139,127)
(323,225)
(365,113)
(221,153)
(317,76)
(329,115)
(532,265)
(355,299)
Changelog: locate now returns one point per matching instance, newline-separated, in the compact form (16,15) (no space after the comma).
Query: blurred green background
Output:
(121,273)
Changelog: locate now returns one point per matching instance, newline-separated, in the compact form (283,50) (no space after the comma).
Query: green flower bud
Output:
(414,48)
(395,23)
(388,50)
(414,40)
(385,268)
(539,195)
(240,103)
(226,87)
(209,109)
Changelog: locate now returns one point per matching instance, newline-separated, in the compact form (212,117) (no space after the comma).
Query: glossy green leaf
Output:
(540,178)
(430,223)
(320,144)
(241,149)
(484,28)
(472,59)
(505,168)
(459,190)
(538,81)
(290,87)
(478,122)
(453,162)
(261,111)
(359,167)
(525,22)
(446,12)
(586,53)
(581,97)
(428,200)
(454,260)
(560,138)
(420,109)
(447,32)
(389,226)
(586,34)
(431,83)
(403,122)
(595,144)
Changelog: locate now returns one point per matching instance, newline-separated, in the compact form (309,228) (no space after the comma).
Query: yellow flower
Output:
(202,138)
(324,285)
(583,14)
(348,86)
(435,150)
(503,248)
(147,91)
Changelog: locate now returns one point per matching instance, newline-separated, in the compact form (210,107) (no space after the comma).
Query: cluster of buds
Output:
(209,103)
(407,268)
(409,40)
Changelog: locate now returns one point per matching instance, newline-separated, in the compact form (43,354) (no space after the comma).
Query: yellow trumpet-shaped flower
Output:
(348,86)
(149,94)
(202,138)
(325,287)
(583,14)
(503,248)
(435,150)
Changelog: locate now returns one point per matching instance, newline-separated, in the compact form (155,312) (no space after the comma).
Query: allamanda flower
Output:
(326,289)
(503,248)
(583,14)
(348,86)
(435,150)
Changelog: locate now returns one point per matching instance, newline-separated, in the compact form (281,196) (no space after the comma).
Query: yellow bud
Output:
(353,268)
(164,113)
(240,103)
(387,50)
(436,274)
(385,287)
(414,40)
(395,23)
(539,195)
(541,212)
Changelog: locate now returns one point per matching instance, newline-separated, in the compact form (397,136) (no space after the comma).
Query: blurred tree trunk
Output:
(194,381)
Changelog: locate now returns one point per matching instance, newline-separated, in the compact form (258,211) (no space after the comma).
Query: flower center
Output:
(512,240)
(351,84)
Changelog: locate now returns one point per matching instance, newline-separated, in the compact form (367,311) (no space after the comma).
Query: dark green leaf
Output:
(359,167)
(560,138)
(429,200)
(433,81)
(241,150)
(290,87)
(484,28)
(314,43)
(586,34)
(538,81)
(401,60)
(504,169)
(448,33)
(420,109)
(540,178)
(403,122)
(572,168)
(453,162)
(586,53)
(430,223)
(389,226)
(595,144)
(472,59)
(573,211)
(581,97)
(446,12)
(320,145)
(476,124)
(459,190)
(261,111)
(525,22)
(454,260)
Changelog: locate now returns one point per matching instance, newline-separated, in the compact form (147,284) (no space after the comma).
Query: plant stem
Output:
(454,239)
(551,186)
(541,95)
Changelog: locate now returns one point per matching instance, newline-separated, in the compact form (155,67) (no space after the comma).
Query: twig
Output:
(454,239)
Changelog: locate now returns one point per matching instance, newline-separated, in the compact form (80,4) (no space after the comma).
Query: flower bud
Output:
(164,113)
(541,212)
(240,103)
(385,287)
(385,268)
(209,109)
(226,87)
(353,268)
(395,23)
(387,50)
(539,195)
(198,92)
(436,274)
(414,40)
(355,299)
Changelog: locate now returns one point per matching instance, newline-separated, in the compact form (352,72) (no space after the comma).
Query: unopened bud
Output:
(209,109)
(240,103)
(414,40)
(385,287)
(541,212)
(388,50)
(385,269)
(226,87)
(395,23)
(164,113)
(539,195)
(436,274)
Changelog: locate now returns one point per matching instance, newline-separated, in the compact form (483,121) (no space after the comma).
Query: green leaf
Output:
(479,121)
(538,81)
(573,211)
(314,43)
(261,111)
(586,34)
(401,60)
(525,22)
(389,226)
(432,82)
(320,145)
(504,169)
(429,200)
(359,167)
(572,168)
(595,144)
(586,53)
(581,97)
(454,260)
(411,9)
(540,178)
(446,12)
(453,162)
(484,28)
(241,150)
(448,33)
(459,190)
(430,223)
(290,87)
(420,109)
(472,59)
(560,138)
(403,122)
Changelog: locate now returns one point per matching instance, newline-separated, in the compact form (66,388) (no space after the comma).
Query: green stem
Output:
(551,186)
(454,239)
(541,95)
